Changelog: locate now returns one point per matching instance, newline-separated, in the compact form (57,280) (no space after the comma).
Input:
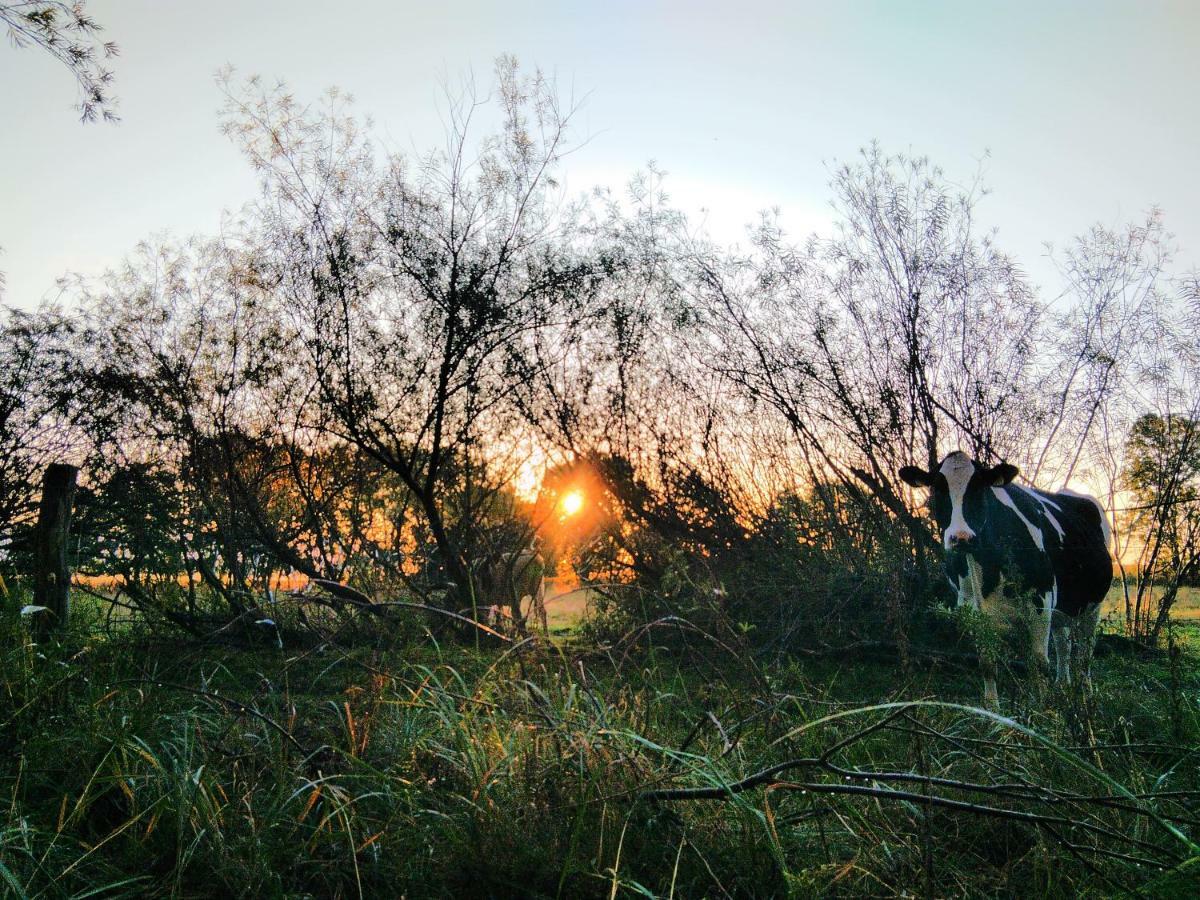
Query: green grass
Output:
(142,766)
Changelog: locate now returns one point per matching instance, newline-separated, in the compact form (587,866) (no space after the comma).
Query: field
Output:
(566,607)
(1186,608)
(140,766)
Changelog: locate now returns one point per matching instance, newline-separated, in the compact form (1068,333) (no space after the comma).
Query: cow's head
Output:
(959,490)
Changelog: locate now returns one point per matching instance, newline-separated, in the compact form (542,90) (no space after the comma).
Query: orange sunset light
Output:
(572,502)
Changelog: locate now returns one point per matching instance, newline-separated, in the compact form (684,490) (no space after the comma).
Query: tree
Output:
(36,363)
(906,333)
(130,523)
(384,309)
(1163,476)
(174,361)
(1107,340)
(1164,458)
(70,35)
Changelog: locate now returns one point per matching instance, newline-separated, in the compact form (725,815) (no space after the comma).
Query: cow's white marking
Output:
(1034,531)
(1043,497)
(1046,503)
(998,606)
(1053,521)
(957,469)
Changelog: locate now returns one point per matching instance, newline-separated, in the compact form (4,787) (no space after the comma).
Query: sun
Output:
(572,502)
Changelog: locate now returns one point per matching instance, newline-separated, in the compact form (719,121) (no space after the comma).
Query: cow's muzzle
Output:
(961,539)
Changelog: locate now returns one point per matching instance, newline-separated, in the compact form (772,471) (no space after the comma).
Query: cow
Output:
(1007,545)
(505,581)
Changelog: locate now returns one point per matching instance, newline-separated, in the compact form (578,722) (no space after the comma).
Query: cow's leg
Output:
(991,696)
(512,599)
(1085,639)
(1062,652)
(989,650)
(518,616)
(539,602)
(970,594)
(1039,630)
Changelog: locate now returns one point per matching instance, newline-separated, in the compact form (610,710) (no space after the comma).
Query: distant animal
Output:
(506,582)
(1007,544)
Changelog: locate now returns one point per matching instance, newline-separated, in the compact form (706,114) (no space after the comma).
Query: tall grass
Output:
(135,766)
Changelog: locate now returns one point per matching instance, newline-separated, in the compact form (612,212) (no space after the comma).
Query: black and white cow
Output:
(1007,544)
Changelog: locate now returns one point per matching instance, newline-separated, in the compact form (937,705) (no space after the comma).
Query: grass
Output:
(138,765)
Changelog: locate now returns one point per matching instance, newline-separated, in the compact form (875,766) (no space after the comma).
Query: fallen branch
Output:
(726,792)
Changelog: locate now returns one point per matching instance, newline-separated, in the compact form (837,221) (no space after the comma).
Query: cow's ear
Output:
(916,477)
(1003,474)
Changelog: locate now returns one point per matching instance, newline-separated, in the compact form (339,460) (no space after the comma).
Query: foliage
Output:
(68,33)
(131,524)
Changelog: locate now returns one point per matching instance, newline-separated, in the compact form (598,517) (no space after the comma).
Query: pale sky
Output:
(1088,109)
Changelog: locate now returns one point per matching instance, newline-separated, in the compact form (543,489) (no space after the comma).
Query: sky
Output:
(1075,112)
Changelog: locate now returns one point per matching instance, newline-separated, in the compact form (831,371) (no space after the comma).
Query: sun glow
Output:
(572,502)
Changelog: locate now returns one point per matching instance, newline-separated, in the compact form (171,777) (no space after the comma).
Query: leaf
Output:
(11,880)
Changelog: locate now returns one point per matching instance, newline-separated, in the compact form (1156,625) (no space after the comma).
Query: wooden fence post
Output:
(51,576)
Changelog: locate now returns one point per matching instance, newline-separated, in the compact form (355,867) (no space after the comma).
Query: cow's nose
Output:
(961,536)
